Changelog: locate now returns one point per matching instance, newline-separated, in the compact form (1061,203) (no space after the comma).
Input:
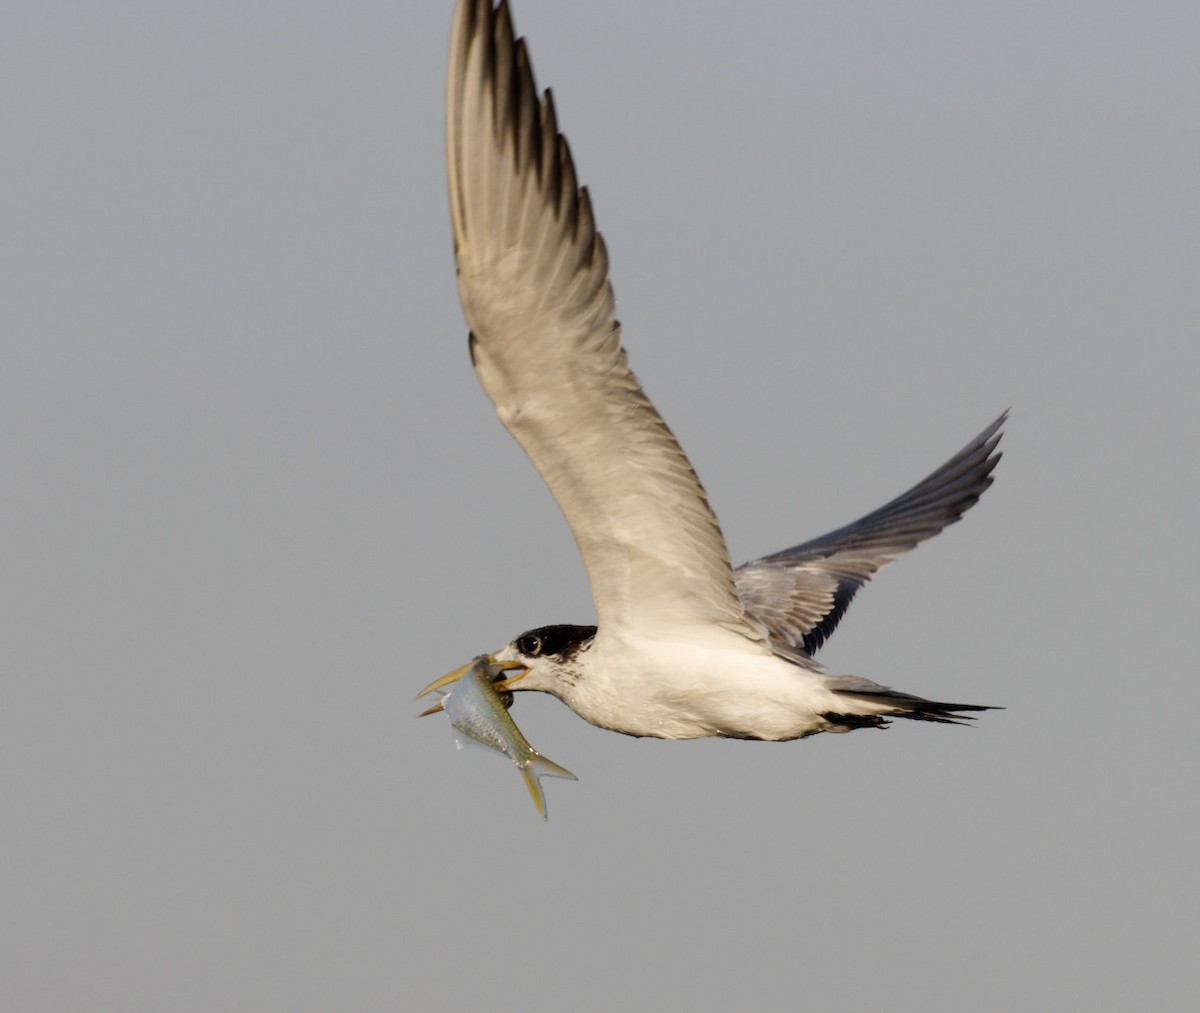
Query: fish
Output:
(478,708)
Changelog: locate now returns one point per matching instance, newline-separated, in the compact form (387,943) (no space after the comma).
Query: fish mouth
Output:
(500,685)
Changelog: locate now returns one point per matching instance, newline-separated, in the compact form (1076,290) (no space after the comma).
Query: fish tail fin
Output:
(539,767)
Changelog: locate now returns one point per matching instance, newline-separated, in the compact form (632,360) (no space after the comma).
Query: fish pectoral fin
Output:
(539,767)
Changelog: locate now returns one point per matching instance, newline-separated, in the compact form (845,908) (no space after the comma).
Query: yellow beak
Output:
(500,685)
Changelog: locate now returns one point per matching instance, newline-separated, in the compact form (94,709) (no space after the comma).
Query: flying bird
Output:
(685,646)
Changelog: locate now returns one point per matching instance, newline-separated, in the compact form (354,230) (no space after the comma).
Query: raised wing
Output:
(533,279)
(801,593)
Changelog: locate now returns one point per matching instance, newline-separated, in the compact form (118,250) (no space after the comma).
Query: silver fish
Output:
(478,707)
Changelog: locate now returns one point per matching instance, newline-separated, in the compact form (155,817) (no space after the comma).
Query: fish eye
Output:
(530,645)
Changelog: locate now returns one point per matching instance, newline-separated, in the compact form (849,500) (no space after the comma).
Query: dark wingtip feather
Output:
(842,597)
(916,708)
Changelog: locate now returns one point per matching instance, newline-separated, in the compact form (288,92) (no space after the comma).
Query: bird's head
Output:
(544,660)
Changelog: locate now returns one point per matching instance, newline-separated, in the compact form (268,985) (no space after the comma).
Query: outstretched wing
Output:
(801,593)
(533,279)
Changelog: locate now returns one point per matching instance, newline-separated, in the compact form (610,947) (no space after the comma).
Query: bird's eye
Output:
(530,645)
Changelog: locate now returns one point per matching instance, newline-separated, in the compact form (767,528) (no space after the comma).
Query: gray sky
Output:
(254,499)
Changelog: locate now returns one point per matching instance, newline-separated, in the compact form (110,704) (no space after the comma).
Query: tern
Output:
(684,646)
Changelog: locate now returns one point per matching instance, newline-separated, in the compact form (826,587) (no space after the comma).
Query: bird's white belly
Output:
(687,690)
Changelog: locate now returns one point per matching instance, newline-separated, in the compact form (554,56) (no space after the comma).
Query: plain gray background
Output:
(253,499)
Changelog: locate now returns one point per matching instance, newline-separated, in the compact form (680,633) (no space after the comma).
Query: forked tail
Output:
(538,767)
(890,703)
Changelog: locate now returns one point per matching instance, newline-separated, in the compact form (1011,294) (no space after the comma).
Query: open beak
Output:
(500,685)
